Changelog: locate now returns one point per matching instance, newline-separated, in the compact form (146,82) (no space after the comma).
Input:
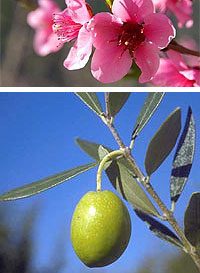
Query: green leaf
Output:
(124,182)
(97,151)
(90,148)
(183,158)
(116,101)
(102,153)
(91,100)
(192,220)
(160,230)
(46,183)
(163,141)
(151,103)
(121,177)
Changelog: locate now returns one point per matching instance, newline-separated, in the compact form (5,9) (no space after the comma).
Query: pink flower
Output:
(45,41)
(182,9)
(132,32)
(175,72)
(71,24)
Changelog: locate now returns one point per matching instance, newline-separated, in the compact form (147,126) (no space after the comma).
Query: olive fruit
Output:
(100,228)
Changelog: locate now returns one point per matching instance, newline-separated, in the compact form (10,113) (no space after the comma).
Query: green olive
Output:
(100,228)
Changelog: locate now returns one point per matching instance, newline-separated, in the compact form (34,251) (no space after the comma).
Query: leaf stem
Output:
(145,181)
(173,206)
(107,158)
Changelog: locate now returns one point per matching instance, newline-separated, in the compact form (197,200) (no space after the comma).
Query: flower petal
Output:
(125,9)
(36,18)
(80,52)
(158,29)
(78,11)
(110,64)
(132,10)
(146,7)
(182,10)
(161,5)
(48,5)
(177,59)
(45,44)
(189,74)
(168,75)
(147,58)
(105,27)
(197,77)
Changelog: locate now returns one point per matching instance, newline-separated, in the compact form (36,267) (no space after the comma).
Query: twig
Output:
(175,46)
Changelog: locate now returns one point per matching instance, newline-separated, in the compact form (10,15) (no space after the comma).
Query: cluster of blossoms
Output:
(132,32)
(179,70)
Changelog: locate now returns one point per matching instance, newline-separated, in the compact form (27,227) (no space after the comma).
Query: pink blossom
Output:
(182,9)
(45,41)
(175,72)
(133,32)
(71,24)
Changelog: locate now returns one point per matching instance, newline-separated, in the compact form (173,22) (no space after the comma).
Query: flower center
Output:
(65,27)
(131,36)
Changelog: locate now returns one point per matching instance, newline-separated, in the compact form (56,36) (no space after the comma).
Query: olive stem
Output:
(108,157)
(145,181)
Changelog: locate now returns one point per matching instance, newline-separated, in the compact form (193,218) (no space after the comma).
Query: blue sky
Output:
(37,140)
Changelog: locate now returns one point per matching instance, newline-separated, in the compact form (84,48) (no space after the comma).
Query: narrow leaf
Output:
(116,101)
(151,103)
(163,141)
(90,148)
(102,153)
(124,182)
(97,151)
(91,100)
(45,184)
(159,229)
(183,158)
(121,177)
(192,220)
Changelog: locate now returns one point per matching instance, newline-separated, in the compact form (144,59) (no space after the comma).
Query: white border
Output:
(99,89)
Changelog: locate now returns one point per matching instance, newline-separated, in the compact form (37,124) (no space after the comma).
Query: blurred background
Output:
(37,140)
(20,66)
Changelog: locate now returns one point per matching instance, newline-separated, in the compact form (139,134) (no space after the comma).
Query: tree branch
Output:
(183,50)
(145,181)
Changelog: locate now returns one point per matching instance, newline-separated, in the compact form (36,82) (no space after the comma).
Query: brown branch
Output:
(183,50)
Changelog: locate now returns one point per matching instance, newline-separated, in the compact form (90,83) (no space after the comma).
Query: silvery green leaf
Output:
(159,229)
(124,182)
(192,220)
(116,101)
(90,148)
(91,100)
(45,183)
(150,105)
(97,151)
(121,177)
(163,141)
(183,158)
(102,153)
